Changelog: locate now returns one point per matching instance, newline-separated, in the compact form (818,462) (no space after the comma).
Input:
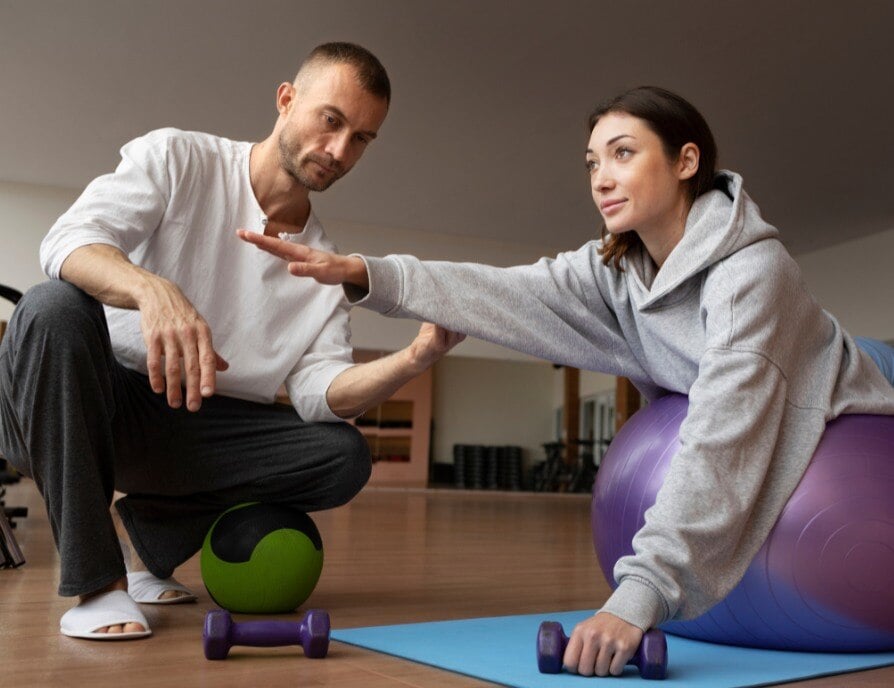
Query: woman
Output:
(688,291)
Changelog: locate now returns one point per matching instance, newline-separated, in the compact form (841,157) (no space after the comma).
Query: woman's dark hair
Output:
(676,122)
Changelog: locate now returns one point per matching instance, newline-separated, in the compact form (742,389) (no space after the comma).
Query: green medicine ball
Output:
(262,559)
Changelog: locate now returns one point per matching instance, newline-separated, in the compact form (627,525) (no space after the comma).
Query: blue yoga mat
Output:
(502,650)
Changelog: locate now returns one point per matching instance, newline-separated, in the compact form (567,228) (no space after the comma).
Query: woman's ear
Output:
(687,163)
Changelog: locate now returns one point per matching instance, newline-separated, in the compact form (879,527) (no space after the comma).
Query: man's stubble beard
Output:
(295,171)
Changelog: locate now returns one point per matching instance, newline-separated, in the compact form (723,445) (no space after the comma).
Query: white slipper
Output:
(147,589)
(108,609)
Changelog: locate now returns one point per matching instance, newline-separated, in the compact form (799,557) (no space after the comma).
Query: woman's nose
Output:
(602,180)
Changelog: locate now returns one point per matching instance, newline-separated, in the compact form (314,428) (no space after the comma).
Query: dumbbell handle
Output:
(650,657)
(265,633)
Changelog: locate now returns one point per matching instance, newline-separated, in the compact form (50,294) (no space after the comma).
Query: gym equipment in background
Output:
(10,553)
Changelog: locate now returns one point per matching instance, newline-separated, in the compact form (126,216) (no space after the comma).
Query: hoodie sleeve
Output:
(553,309)
(744,444)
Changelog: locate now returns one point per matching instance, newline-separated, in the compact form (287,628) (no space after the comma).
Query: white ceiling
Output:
(486,132)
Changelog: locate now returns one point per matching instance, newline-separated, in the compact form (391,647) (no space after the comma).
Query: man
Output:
(91,399)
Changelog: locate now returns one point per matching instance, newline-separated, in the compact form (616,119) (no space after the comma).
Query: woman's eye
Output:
(623,153)
(592,165)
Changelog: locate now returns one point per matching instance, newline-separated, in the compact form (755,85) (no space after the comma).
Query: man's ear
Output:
(687,163)
(285,97)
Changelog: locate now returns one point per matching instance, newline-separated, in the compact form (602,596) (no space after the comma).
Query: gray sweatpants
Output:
(82,425)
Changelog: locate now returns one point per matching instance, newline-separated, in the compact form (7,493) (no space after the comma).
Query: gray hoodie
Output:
(728,321)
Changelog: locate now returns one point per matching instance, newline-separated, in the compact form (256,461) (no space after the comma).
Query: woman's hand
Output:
(325,268)
(601,645)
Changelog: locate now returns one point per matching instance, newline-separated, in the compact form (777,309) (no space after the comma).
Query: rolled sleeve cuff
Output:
(55,253)
(308,394)
(637,602)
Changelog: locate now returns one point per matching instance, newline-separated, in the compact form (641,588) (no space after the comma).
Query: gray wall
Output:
(26,213)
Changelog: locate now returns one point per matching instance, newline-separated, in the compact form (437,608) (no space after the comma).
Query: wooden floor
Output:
(391,557)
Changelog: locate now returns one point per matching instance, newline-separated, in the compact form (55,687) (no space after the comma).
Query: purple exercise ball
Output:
(821,581)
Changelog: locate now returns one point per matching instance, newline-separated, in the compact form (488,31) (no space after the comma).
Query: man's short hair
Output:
(370,73)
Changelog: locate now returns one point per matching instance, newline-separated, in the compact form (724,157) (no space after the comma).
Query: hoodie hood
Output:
(720,222)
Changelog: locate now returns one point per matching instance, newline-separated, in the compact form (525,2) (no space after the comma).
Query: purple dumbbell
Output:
(650,657)
(221,633)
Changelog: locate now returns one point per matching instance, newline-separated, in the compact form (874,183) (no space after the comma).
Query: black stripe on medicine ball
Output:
(238,531)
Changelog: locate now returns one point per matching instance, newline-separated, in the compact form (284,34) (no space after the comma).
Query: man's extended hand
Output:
(174,330)
(325,268)
(366,384)
(601,645)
